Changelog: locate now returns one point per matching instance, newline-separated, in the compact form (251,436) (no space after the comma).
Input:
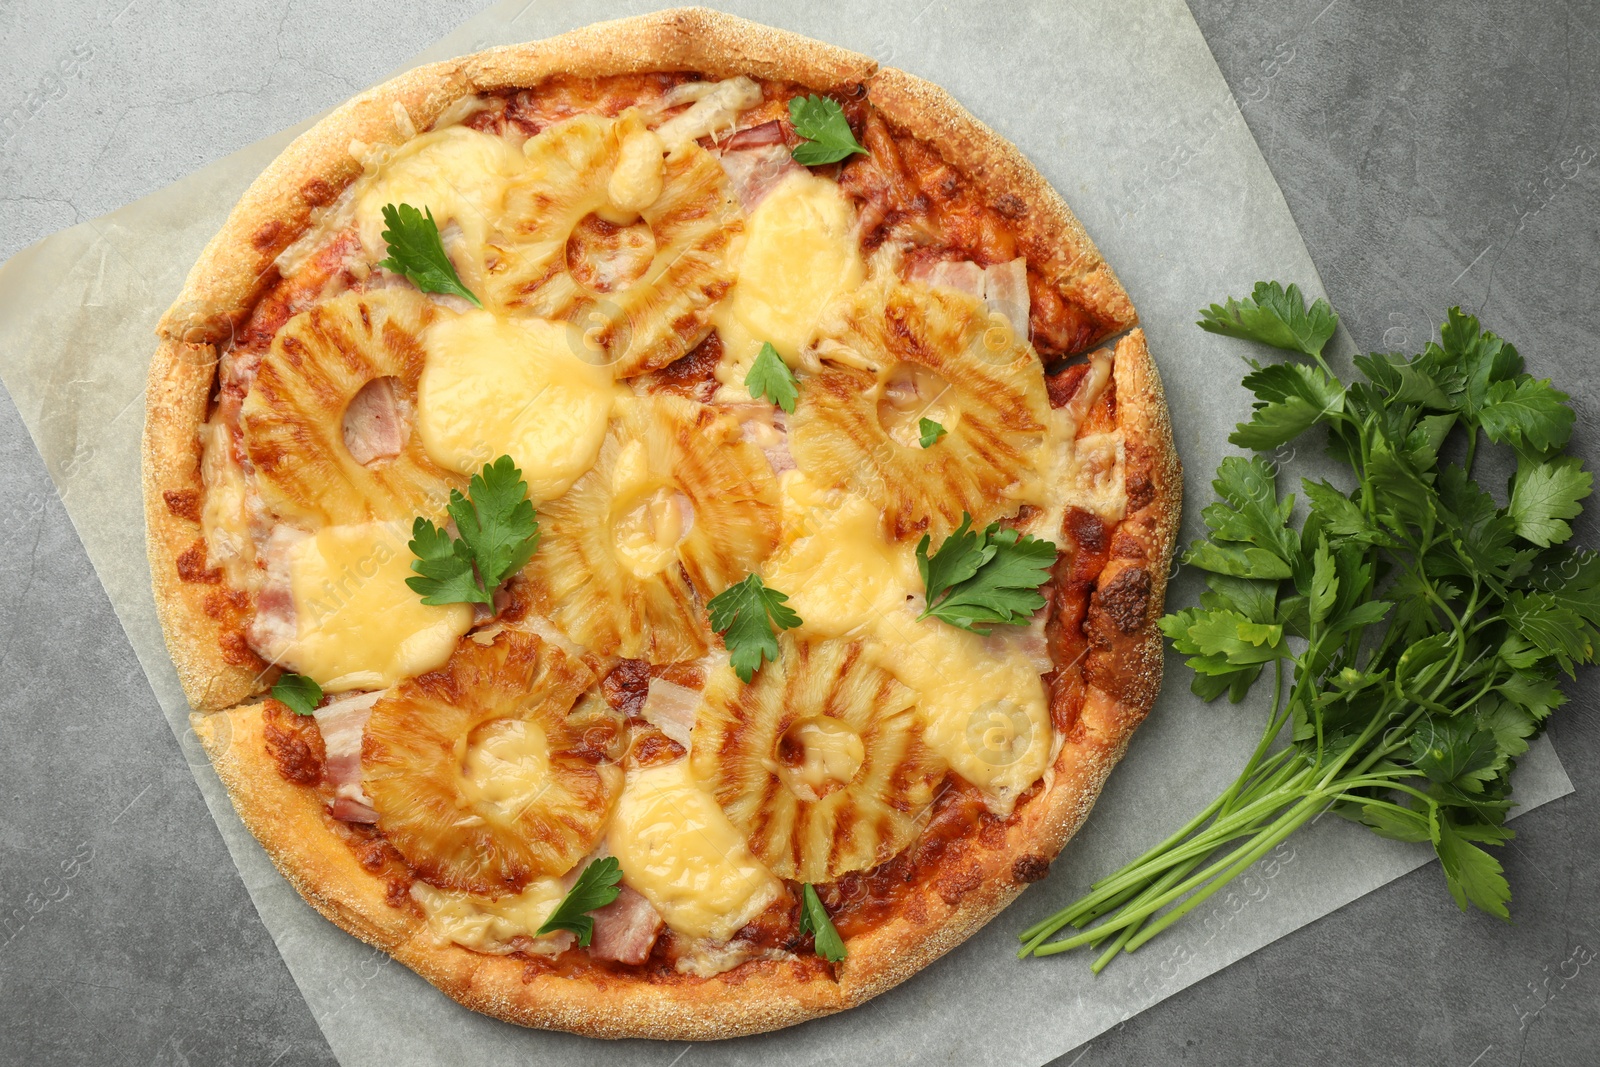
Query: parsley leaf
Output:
(1544,495)
(988,577)
(1529,412)
(595,888)
(1471,873)
(814,920)
(297,692)
(416,251)
(827,136)
(1274,316)
(930,432)
(498,535)
(745,614)
(769,376)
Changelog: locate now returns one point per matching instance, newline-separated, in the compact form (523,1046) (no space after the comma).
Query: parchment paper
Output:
(1125,112)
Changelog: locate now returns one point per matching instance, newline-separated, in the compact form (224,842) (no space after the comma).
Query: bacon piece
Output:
(625,930)
(374,422)
(343,721)
(755,172)
(346,810)
(671,708)
(962,275)
(274,627)
(768,133)
(767,428)
(1005,289)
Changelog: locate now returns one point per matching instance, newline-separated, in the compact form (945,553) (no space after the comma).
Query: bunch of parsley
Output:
(1415,627)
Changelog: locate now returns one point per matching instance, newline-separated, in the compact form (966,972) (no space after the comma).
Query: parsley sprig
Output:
(745,614)
(981,578)
(769,376)
(929,432)
(416,251)
(498,535)
(827,136)
(814,921)
(1415,627)
(298,693)
(596,887)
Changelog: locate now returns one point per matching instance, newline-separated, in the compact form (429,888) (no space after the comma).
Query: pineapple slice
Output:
(484,774)
(895,354)
(294,419)
(677,508)
(820,762)
(668,218)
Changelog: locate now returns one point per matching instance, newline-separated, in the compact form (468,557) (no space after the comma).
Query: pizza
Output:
(661,528)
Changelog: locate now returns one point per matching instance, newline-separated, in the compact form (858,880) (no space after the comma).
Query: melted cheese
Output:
(678,849)
(832,754)
(457,173)
(636,178)
(799,252)
(357,624)
(507,765)
(492,925)
(496,387)
(840,574)
(981,701)
(650,519)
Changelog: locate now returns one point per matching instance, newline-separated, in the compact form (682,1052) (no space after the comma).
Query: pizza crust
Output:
(236,268)
(191,613)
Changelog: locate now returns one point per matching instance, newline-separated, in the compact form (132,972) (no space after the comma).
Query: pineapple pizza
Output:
(661,528)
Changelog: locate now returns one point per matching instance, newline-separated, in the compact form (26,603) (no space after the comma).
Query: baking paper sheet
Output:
(1123,109)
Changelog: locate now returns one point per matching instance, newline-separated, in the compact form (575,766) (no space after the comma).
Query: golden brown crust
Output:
(1043,222)
(191,603)
(291,821)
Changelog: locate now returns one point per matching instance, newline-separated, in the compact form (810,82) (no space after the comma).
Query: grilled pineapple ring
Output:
(677,508)
(614,170)
(894,354)
(293,418)
(483,773)
(819,762)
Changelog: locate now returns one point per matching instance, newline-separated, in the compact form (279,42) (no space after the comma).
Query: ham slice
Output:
(671,708)
(343,721)
(625,930)
(768,133)
(1003,287)
(756,171)
(274,628)
(374,423)
(767,428)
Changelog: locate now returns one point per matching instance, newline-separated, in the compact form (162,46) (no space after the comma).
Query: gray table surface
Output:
(1432,154)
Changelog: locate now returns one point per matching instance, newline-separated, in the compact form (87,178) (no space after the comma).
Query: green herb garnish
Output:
(821,122)
(416,251)
(498,535)
(930,432)
(595,888)
(814,920)
(297,692)
(980,578)
(769,376)
(745,614)
(1415,628)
